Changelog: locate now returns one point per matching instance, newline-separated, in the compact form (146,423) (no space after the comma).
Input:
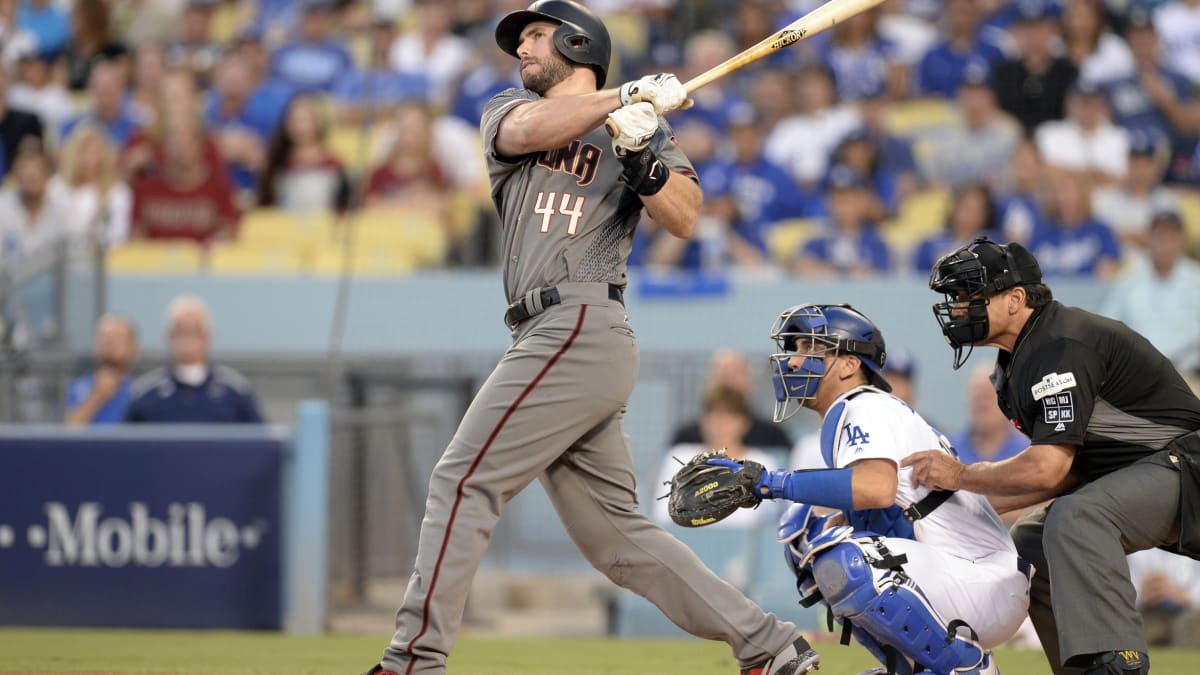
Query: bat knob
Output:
(611,128)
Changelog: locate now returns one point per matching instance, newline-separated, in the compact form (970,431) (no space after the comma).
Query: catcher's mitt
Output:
(704,492)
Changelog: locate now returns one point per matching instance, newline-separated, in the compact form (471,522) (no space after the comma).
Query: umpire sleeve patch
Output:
(1059,410)
(1052,384)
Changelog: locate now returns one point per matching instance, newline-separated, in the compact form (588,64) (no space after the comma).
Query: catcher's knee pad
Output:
(864,584)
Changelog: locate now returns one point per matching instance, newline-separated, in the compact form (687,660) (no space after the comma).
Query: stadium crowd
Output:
(865,150)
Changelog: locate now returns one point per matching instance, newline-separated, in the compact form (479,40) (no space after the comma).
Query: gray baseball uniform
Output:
(553,409)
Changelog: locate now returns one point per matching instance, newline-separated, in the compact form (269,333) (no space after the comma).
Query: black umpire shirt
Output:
(1075,378)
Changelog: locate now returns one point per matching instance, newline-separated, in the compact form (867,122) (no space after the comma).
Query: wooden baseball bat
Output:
(820,19)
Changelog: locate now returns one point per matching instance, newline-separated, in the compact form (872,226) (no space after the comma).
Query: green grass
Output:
(213,652)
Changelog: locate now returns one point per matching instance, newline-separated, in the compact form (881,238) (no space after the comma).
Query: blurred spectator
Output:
(912,32)
(1100,56)
(188,198)
(106,88)
(1032,87)
(302,175)
(1168,597)
(36,91)
(191,389)
(91,42)
(900,370)
(270,97)
(101,396)
(494,72)
(315,59)
(1128,207)
(47,22)
(177,103)
(724,425)
(773,96)
(15,127)
(1155,100)
(1072,242)
(989,435)
(991,134)
(850,246)
(431,50)
(98,203)
(149,68)
(1087,140)
(716,102)
(1177,22)
(1159,299)
(31,217)
(241,130)
(365,95)
(972,214)
(858,152)
(941,69)
(410,178)
(861,61)
(1019,207)
(194,49)
(893,153)
(802,143)
(728,369)
(15,40)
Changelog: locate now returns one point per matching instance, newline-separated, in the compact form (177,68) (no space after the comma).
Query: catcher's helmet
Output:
(968,277)
(580,37)
(831,330)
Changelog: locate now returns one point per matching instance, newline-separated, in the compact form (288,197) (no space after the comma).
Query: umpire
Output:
(1114,441)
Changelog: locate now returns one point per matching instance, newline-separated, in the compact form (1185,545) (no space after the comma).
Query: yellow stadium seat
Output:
(1189,207)
(364,261)
(908,118)
(348,145)
(250,259)
(181,257)
(921,215)
(305,233)
(419,236)
(786,237)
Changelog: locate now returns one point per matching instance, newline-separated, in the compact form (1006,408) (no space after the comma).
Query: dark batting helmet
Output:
(581,37)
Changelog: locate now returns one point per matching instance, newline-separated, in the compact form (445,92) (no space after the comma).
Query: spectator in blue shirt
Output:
(1073,243)
(716,103)
(941,69)
(494,74)
(861,60)
(368,93)
(106,86)
(989,436)
(191,389)
(851,246)
(101,396)
(47,23)
(1019,209)
(1155,100)
(315,61)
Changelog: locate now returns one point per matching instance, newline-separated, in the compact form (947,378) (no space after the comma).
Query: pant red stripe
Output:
(512,408)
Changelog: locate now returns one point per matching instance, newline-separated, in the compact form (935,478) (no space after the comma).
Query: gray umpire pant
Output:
(553,410)
(1078,545)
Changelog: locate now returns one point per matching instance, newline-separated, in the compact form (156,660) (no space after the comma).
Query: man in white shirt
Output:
(1086,141)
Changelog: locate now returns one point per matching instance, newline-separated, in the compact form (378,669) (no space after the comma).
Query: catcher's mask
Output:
(816,332)
(969,277)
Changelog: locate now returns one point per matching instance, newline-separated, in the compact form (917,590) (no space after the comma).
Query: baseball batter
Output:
(569,197)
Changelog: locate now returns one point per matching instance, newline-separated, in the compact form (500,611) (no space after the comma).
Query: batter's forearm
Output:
(676,207)
(552,123)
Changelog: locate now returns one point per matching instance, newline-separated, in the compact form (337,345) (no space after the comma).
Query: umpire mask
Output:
(968,278)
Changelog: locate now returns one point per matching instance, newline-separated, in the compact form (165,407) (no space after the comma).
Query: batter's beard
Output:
(550,72)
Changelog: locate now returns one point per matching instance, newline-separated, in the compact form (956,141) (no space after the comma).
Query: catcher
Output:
(927,581)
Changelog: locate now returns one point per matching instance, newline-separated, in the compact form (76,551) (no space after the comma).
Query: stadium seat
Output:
(371,261)
(920,216)
(910,118)
(348,145)
(786,237)
(306,234)
(254,259)
(181,257)
(419,236)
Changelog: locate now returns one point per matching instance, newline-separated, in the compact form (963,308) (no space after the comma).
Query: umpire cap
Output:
(581,36)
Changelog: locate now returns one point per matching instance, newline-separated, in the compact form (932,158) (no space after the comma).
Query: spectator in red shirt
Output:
(409,176)
(188,198)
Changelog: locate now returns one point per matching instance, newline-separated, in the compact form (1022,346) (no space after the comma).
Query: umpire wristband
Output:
(644,172)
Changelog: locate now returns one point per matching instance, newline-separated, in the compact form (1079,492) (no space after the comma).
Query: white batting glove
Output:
(634,126)
(663,90)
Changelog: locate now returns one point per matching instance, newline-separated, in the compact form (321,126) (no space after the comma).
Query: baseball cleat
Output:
(798,658)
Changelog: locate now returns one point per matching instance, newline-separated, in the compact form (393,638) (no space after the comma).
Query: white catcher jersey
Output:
(866,423)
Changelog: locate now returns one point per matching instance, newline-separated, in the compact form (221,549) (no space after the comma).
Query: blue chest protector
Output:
(890,521)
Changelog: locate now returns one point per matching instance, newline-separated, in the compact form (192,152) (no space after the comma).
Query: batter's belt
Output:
(539,299)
